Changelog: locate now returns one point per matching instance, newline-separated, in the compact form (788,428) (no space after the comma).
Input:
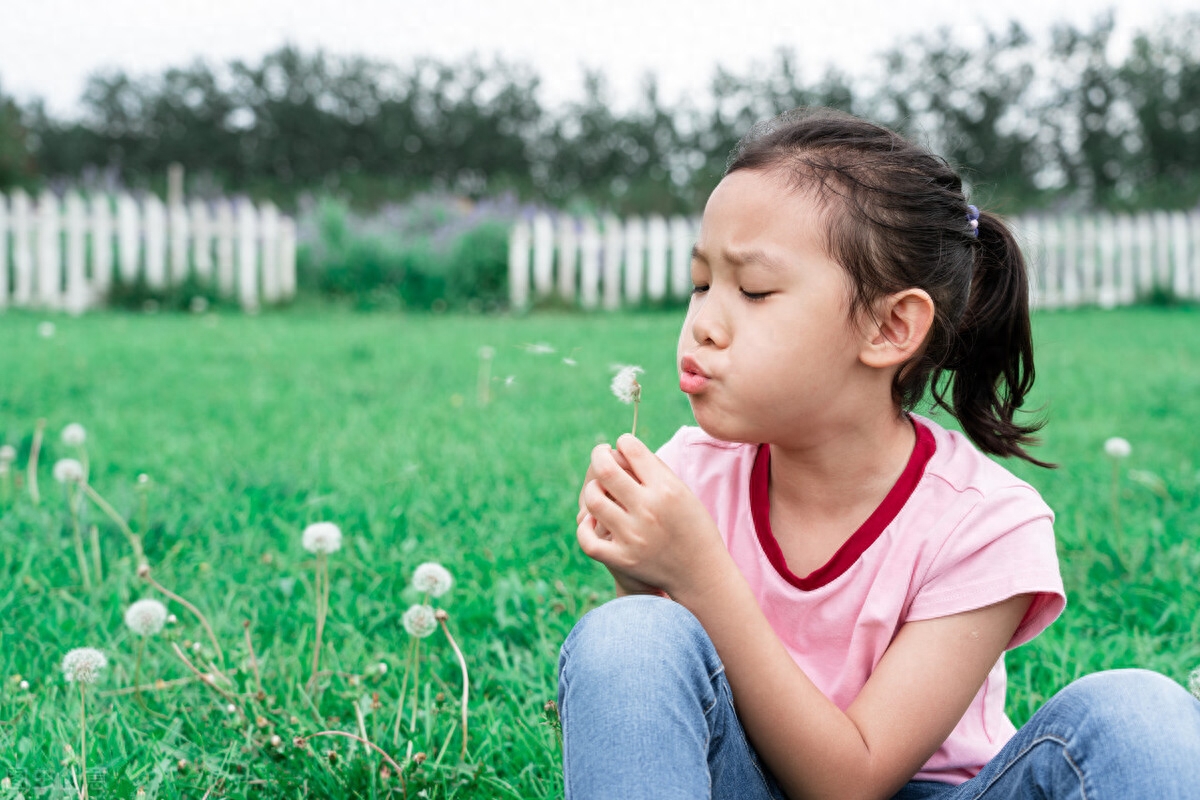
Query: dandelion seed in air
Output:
(538,349)
(74,435)
(627,389)
(321,538)
(432,579)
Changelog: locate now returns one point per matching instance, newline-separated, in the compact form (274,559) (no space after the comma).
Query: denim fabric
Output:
(647,713)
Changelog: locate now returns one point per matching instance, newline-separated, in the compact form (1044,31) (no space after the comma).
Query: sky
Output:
(48,47)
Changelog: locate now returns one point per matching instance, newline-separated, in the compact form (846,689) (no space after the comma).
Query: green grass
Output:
(253,427)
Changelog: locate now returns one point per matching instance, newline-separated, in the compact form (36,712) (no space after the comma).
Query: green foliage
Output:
(430,253)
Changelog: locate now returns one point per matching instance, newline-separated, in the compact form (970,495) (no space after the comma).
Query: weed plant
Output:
(252,428)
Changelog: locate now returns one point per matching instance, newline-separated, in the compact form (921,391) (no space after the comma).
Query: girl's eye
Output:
(754,296)
(700,288)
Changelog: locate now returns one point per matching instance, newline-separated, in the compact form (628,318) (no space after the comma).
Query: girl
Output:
(816,587)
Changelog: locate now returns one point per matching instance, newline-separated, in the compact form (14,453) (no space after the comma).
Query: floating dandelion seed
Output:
(146,617)
(322,537)
(1116,447)
(68,470)
(420,621)
(83,664)
(570,362)
(539,349)
(432,579)
(74,435)
(8,454)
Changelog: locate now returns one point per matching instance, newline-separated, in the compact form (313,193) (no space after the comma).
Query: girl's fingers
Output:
(591,543)
(614,479)
(641,461)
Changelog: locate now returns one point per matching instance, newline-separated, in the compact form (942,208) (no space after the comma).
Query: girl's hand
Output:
(625,584)
(643,522)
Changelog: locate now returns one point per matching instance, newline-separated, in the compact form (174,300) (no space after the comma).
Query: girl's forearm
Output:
(811,746)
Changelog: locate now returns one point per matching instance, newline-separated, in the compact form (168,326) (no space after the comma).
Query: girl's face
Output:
(768,352)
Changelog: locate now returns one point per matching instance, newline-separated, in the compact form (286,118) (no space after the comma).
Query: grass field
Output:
(252,427)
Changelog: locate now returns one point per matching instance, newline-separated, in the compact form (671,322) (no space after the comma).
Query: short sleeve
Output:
(672,453)
(1003,548)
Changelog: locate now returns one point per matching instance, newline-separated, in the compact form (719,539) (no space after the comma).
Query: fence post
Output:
(287,258)
(155,220)
(22,255)
(543,255)
(568,257)
(101,222)
(226,270)
(178,239)
(589,264)
(247,251)
(518,266)
(1179,260)
(268,221)
(128,246)
(681,257)
(49,251)
(614,240)
(76,298)
(4,288)
(201,225)
(1108,295)
(656,258)
(635,259)
(1126,247)
(1194,267)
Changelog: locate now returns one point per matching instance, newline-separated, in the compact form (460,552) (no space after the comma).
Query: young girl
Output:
(816,587)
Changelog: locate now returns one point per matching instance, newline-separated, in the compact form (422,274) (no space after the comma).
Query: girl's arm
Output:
(659,533)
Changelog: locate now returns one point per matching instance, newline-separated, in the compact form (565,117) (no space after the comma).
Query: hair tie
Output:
(973,219)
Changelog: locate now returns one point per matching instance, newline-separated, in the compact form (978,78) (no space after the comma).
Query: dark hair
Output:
(905,226)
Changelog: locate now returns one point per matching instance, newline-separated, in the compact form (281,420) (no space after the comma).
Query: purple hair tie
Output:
(973,219)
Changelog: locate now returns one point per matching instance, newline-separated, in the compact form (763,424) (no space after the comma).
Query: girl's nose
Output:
(707,327)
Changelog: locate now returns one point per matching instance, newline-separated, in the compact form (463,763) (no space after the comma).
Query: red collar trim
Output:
(864,537)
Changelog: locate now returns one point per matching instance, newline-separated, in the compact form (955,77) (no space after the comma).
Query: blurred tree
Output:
(16,165)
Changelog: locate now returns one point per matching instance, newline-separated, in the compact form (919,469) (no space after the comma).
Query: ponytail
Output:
(991,352)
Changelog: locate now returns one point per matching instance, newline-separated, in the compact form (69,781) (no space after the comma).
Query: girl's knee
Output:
(1135,705)
(636,633)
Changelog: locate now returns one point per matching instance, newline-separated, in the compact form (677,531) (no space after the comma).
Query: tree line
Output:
(1048,122)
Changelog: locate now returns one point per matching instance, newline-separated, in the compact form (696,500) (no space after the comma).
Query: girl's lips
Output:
(691,376)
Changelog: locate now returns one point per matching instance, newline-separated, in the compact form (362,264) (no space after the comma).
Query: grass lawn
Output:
(252,427)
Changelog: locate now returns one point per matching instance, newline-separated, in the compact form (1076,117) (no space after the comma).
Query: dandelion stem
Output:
(208,629)
(83,736)
(416,684)
(77,536)
(207,680)
(636,403)
(134,540)
(1116,497)
(403,691)
(485,381)
(97,563)
(322,593)
(253,657)
(31,469)
(466,681)
(157,686)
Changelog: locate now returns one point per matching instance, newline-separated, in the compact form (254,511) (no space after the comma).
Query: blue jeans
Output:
(647,713)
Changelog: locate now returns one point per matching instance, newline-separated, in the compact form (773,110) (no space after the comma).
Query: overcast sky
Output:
(48,47)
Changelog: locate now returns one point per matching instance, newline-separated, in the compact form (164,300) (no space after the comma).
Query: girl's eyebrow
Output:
(740,258)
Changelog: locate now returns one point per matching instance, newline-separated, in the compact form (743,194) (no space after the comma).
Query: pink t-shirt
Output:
(956,533)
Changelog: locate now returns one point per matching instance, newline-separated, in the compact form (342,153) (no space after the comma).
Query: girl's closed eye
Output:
(755,297)
(699,288)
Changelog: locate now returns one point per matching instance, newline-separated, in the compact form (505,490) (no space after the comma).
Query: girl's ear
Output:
(898,329)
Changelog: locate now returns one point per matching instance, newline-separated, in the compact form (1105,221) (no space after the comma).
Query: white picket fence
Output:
(66,253)
(1105,260)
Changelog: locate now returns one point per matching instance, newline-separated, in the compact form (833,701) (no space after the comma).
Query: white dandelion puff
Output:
(625,384)
(8,454)
(146,617)
(322,537)
(68,470)
(487,353)
(432,578)
(419,621)
(570,362)
(46,329)
(83,665)
(1116,447)
(24,686)
(538,349)
(74,435)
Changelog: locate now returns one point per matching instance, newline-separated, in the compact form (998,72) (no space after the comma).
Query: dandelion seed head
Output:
(487,353)
(46,329)
(322,537)
(231,709)
(24,686)
(432,578)
(68,470)
(383,668)
(419,621)
(1116,447)
(146,617)
(172,619)
(83,664)
(74,435)
(8,454)
(143,479)
(510,380)
(625,384)
(276,740)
